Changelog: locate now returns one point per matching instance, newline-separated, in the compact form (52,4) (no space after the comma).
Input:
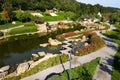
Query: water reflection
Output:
(19,49)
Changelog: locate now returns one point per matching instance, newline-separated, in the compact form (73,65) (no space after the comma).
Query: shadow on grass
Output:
(52,74)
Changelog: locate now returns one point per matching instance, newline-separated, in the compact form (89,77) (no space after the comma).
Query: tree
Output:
(5,15)
(7,8)
(24,16)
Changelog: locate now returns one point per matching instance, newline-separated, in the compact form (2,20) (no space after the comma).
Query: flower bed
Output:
(95,44)
(66,35)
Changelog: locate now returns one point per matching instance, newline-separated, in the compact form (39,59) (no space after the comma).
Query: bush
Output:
(24,16)
(1,34)
(96,43)
(39,20)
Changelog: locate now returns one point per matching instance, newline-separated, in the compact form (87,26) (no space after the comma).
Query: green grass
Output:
(84,72)
(41,66)
(53,18)
(25,29)
(9,25)
(61,16)
(116,67)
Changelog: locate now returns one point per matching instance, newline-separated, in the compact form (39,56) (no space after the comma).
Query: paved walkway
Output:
(103,71)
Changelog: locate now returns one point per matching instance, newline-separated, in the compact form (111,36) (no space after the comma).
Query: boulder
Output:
(3,74)
(86,44)
(22,68)
(77,31)
(5,68)
(53,42)
(44,45)
(83,39)
(42,27)
(13,22)
(41,53)
(35,55)
(58,42)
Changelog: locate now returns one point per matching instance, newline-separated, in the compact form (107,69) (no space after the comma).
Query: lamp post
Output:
(71,61)
(70,65)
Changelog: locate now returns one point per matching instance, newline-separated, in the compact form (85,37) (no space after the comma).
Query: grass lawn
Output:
(41,66)
(84,72)
(9,25)
(25,29)
(61,16)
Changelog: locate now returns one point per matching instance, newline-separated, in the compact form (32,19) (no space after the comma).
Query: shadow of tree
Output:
(108,61)
(52,74)
(112,46)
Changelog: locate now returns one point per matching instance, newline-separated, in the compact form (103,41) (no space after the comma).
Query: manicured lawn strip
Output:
(23,30)
(41,66)
(9,25)
(116,67)
(84,72)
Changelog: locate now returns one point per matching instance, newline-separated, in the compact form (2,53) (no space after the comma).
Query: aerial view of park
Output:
(59,40)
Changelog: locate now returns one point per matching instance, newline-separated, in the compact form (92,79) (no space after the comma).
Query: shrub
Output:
(66,35)
(39,20)
(24,16)
(1,34)
(96,43)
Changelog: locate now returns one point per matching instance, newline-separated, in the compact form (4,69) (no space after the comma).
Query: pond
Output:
(15,50)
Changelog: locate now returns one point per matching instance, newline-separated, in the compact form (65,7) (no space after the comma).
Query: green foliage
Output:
(24,16)
(84,72)
(1,34)
(39,20)
(41,66)
(61,39)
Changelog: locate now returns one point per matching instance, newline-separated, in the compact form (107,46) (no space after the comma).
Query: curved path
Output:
(103,71)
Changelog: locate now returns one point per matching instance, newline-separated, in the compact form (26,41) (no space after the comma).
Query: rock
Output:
(77,31)
(3,74)
(49,54)
(35,55)
(86,44)
(31,62)
(83,39)
(42,27)
(44,45)
(41,53)
(13,22)
(22,68)
(58,42)
(5,68)
(77,52)
(53,42)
